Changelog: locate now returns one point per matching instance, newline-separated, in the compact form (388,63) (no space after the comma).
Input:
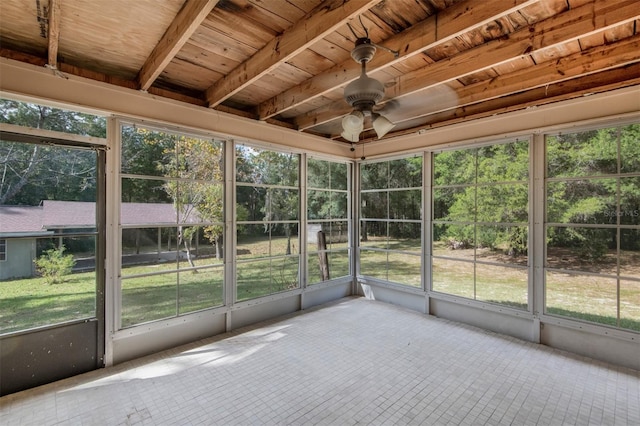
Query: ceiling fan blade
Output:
(388,107)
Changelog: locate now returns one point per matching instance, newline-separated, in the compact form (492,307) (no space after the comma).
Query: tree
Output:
(281,204)
(275,198)
(382,198)
(483,186)
(144,153)
(323,176)
(194,167)
(30,173)
(586,188)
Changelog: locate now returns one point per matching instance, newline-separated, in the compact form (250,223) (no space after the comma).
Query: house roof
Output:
(286,63)
(68,214)
(156,213)
(21,220)
(51,215)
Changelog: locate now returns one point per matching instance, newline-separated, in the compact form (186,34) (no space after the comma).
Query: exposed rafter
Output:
(573,66)
(612,79)
(183,26)
(286,62)
(555,31)
(431,32)
(317,24)
(53,33)
(537,79)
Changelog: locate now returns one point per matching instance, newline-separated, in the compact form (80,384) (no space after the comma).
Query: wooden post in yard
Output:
(322,256)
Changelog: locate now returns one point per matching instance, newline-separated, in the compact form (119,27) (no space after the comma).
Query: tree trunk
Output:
(187,247)
(288,232)
(218,245)
(363,232)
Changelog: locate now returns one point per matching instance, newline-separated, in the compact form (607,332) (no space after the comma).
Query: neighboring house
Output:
(21,226)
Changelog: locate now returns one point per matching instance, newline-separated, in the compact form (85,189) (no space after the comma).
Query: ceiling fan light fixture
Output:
(381,124)
(351,136)
(353,122)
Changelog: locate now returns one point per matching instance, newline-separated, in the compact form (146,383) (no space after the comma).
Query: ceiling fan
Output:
(364,93)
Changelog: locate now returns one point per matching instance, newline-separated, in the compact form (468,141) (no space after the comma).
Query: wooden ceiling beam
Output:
(567,26)
(130,84)
(179,31)
(433,31)
(596,59)
(320,22)
(53,33)
(97,76)
(570,89)
(569,71)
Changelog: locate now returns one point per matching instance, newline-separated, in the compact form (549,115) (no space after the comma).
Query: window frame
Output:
(618,228)
(160,226)
(527,224)
(3,250)
(387,221)
(330,250)
(238,261)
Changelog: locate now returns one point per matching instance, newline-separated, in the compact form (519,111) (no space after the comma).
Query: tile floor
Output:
(351,362)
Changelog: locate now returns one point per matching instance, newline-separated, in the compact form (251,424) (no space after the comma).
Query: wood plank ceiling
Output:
(286,62)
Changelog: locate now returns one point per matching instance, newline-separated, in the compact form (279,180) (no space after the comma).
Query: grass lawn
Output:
(30,302)
(26,303)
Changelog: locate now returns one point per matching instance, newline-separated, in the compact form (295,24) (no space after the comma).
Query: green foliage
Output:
(588,171)
(143,153)
(54,265)
(483,186)
(454,167)
(325,180)
(43,117)
(273,196)
(392,191)
(192,169)
(518,242)
(322,174)
(31,173)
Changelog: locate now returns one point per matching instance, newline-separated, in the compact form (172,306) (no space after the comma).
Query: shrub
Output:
(53,265)
(517,240)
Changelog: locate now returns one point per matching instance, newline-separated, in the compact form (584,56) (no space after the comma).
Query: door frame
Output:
(41,355)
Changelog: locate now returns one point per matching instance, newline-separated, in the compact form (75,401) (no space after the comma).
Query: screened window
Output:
(593,226)
(53,244)
(328,249)
(171,216)
(390,220)
(50,118)
(480,223)
(268,222)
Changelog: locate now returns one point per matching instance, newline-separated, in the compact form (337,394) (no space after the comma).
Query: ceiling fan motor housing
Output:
(364,92)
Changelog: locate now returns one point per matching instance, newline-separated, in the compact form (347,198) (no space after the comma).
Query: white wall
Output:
(20,256)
